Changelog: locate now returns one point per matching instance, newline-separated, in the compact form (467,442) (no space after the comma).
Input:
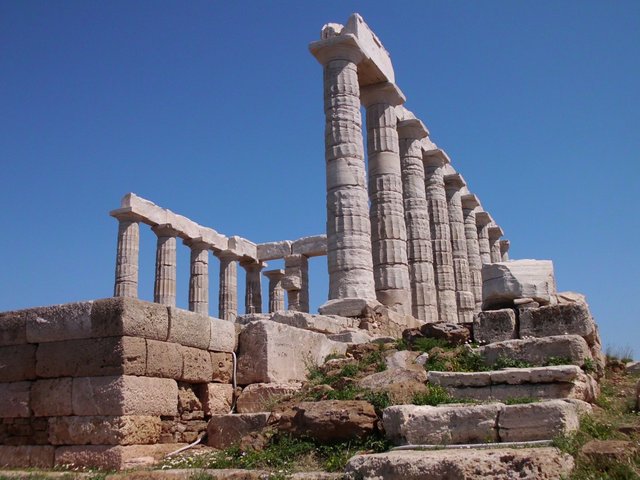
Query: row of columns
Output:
(420,247)
(294,279)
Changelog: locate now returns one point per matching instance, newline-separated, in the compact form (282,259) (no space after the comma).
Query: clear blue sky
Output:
(214,110)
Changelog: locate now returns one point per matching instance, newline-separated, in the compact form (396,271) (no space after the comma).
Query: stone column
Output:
(296,282)
(388,230)
(164,288)
(199,276)
(483,219)
(348,227)
(276,292)
(228,292)
(434,161)
(464,297)
(126,281)
(469,205)
(495,232)
(253,289)
(424,301)
(504,250)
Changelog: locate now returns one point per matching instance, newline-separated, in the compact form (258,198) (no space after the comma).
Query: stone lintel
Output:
(384,93)
(313,246)
(470,201)
(483,218)
(273,250)
(436,157)
(243,247)
(454,180)
(412,128)
(495,232)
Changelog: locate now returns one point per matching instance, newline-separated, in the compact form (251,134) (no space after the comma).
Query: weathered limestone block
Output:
(222,365)
(262,397)
(538,421)
(352,336)
(92,357)
(385,379)
(403,359)
(189,328)
(51,397)
(329,420)
(164,360)
(312,246)
(114,317)
(14,327)
(538,351)
(14,398)
(26,456)
(196,365)
(494,326)
(503,282)
(104,430)
(568,318)
(347,307)
(413,424)
(451,333)
(460,379)
(265,354)
(218,398)
(17,363)
(110,457)
(59,322)
(124,395)
(273,250)
(224,337)
(499,464)
(226,430)
(315,323)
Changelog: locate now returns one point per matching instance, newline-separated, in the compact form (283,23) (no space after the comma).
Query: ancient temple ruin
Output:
(408,243)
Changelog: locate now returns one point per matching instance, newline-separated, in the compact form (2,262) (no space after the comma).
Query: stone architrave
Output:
(470,204)
(164,288)
(276,292)
(464,296)
(199,276)
(434,162)
(483,220)
(495,232)
(349,258)
(126,282)
(504,250)
(228,291)
(424,301)
(388,230)
(296,282)
(253,289)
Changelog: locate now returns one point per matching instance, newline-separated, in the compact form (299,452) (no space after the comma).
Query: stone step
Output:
(225,430)
(499,464)
(494,422)
(561,381)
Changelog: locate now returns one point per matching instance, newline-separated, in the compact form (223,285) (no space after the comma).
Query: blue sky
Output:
(214,110)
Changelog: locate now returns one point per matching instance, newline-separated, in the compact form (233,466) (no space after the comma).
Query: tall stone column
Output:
(228,291)
(469,205)
(164,288)
(199,276)
(253,289)
(483,219)
(434,161)
(126,279)
(495,232)
(388,230)
(424,300)
(464,297)
(276,292)
(504,250)
(348,227)
(296,282)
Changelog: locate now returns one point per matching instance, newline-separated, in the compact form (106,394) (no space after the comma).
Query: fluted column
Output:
(434,161)
(504,250)
(348,226)
(469,205)
(164,288)
(464,297)
(228,291)
(199,276)
(253,289)
(483,219)
(127,254)
(276,292)
(495,232)
(388,230)
(296,282)
(424,301)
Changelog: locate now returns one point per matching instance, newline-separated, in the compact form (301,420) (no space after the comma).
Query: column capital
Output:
(504,245)
(341,47)
(227,255)
(275,274)
(495,232)
(483,218)
(385,93)
(126,214)
(251,264)
(165,230)
(470,201)
(197,243)
(454,181)
(412,128)
(435,158)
